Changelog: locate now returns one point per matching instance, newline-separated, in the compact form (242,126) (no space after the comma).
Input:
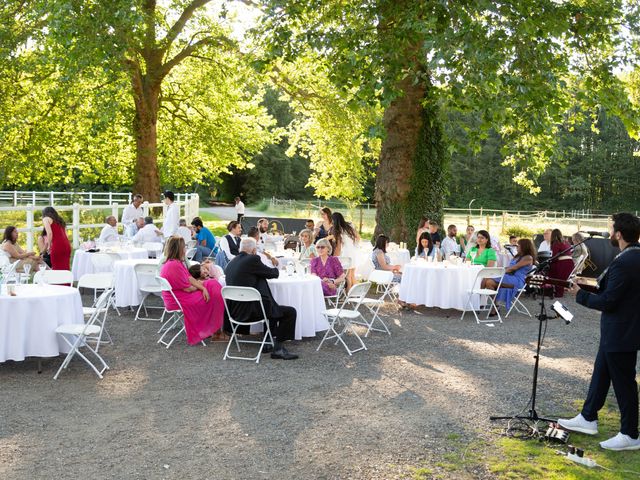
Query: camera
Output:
(562,312)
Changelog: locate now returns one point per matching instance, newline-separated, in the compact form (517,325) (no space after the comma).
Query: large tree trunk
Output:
(147,177)
(411,175)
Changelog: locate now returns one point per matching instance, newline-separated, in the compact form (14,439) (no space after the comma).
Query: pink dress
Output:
(201,319)
(331,269)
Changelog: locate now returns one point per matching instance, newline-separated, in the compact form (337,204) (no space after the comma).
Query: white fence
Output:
(189,205)
(17,197)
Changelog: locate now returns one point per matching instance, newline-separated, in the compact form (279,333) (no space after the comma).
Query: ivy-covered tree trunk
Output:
(412,172)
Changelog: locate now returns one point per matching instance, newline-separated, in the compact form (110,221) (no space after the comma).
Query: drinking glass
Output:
(473,255)
(27,268)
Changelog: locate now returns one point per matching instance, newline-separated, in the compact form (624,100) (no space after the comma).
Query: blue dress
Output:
(516,279)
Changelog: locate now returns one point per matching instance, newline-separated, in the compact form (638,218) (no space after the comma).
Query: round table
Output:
(82,260)
(29,319)
(400,256)
(437,285)
(304,293)
(126,283)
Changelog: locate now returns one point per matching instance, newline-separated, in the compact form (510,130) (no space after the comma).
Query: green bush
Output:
(519,231)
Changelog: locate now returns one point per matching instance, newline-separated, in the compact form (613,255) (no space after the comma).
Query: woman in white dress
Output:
(346,241)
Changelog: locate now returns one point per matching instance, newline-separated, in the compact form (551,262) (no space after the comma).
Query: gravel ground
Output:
(183,413)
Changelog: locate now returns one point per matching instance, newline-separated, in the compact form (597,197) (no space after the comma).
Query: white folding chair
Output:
(487,293)
(346,316)
(245,294)
(148,286)
(154,249)
(102,262)
(54,277)
(8,272)
(190,253)
(577,269)
(76,336)
(518,305)
(177,316)
(384,279)
(99,282)
(191,244)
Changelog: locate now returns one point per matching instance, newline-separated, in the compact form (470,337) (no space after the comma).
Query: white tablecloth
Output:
(82,260)
(434,285)
(126,283)
(28,321)
(305,295)
(399,257)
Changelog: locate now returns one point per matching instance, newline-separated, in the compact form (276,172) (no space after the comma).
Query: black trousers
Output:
(619,369)
(284,327)
(240,215)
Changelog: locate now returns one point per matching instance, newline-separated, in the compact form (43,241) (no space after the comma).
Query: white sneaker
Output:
(621,442)
(579,424)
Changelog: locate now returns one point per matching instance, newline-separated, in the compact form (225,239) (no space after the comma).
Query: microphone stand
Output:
(542,317)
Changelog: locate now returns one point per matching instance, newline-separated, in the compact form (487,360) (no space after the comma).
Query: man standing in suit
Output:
(618,300)
(247,270)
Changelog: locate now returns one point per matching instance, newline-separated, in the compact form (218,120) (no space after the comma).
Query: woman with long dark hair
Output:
(325,222)
(483,253)
(16,253)
(381,260)
(425,248)
(346,241)
(57,240)
(423,226)
(562,266)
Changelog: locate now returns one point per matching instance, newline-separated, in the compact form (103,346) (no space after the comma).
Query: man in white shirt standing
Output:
(239,208)
(450,244)
(109,232)
(545,246)
(130,214)
(171,217)
(148,233)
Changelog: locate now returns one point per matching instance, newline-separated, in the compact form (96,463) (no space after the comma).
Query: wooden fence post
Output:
(488,222)
(76,225)
(30,228)
(504,221)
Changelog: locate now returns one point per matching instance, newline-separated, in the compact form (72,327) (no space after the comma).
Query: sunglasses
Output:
(318,248)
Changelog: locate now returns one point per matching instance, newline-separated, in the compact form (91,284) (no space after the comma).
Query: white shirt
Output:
(267,261)
(109,234)
(544,247)
(185,233)
(171,220)
(450,245)
(147,234)
(130,214)
(240,208)
(495,244)
(224,246)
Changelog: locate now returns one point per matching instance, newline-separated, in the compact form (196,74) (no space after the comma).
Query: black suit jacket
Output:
(618,299)
(248,271)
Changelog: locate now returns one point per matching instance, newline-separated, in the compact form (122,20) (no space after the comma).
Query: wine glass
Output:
(27,268)
(473,254)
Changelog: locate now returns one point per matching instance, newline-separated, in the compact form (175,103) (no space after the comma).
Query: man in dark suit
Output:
(247,270)
(618,300)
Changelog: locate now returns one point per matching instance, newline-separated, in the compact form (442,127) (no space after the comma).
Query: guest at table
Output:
(43,247)
(307,249)
(381,260)
(435,234)
(423,226)
(545,246)
(263,229)
(268,259)
(184,231)
(484,254)
(229,245)
(425,248)
(325,224)
(131,214)
(515,274)
(149,233)
(466,240)
(346,241)
(15,252)
(172,215)
(246,270)
(450,245)
(328,268)
(310,225)
(562,266)
(201,302)
(137,226)
(109,232)
(206,242)
(512,246)
(57,240)
(580,252)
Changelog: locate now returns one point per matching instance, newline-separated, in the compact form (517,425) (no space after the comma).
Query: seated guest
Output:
(43,247)
(136,226)
(495,243)
(148,233)
(16,253)
(381,260)
(450,245)
(512,246)
(307,249)
(435,235)
(423,226)
(247,270)
(266,257)
(467,241)
(484,254)
(109,232)
(328,268)
(310,225)
(206,242)
(562,266)
(579,252)
(201,302)
(184,231)
(425,248)
(515,274)
(229,245)
(545,246)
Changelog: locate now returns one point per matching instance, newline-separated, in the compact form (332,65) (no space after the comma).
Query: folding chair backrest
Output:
(381,277)
(101,260)
(99,308)
(488,272)
(144,272)
(115,257)
(190,253)
(96,281)
(579,265)
(166,287)
(241,294)
(191,244)
(357,293)
(346,262)
(57,277)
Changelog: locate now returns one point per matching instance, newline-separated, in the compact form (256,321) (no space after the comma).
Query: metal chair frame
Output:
(148,271)
(487,272)
(177,316)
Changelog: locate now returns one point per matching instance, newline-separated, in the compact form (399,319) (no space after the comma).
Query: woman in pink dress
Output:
(201,302)
(328,268)
(562,266)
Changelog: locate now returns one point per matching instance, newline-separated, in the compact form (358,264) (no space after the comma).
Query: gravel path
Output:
(183,413)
